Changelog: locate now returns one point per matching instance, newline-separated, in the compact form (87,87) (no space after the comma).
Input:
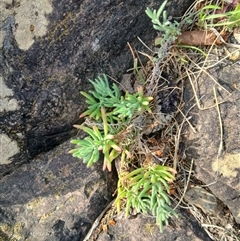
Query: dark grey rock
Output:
(54,198)
(143,228)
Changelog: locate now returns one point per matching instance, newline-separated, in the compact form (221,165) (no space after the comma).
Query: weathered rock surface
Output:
(218,166)
(54,198)
(49,50)
(185,228)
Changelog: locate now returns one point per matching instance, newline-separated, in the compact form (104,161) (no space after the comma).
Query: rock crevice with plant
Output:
(116,125)
(123,125)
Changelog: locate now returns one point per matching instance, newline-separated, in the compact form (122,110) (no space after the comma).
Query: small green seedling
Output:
(167,28)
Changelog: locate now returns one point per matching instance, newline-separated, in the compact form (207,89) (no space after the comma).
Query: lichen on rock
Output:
(8,149)
(30,19)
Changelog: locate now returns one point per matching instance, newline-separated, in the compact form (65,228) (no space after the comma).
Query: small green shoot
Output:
(167,28)
(102,96)
(132,104)
(88,149)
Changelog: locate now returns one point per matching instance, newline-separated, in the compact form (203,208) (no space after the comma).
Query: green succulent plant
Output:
(103,95)
(145,190)
(104,137)
(89,148)
(132,104)
(110,98)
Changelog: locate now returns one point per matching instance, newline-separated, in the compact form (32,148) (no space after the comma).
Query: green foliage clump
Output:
(89,148)
(144,190)
(107,108)
(110,115)
(120,108)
